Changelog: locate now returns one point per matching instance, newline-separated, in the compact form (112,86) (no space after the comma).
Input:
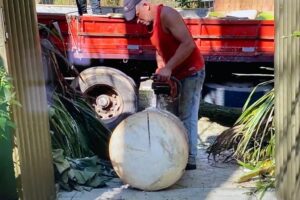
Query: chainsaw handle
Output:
(178,85)
(154,78)
(173,86)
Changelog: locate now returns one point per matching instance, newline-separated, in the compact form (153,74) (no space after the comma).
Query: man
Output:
(176,55)
(82,6)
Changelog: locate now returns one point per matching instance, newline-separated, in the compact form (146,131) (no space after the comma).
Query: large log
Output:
(223,115)
(149,150)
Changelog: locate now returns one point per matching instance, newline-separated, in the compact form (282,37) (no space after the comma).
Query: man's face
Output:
(143,13)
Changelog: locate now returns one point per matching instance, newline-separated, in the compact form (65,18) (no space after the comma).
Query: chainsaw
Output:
(167,93)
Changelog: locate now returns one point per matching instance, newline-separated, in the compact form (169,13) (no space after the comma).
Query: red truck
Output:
(113,54)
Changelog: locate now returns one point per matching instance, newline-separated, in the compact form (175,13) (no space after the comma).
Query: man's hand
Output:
(163,74)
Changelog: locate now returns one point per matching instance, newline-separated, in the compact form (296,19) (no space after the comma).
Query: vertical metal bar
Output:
(32,134)
(297,118)
(3,36)
(278,111)
(287,102)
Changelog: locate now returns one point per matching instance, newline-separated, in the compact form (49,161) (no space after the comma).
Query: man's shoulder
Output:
(169,12)
(168,9)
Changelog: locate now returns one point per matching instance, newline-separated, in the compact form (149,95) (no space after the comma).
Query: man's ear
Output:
(146,5)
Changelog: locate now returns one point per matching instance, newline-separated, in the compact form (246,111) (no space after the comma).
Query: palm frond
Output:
(252,134)
(76,128)
(256,122)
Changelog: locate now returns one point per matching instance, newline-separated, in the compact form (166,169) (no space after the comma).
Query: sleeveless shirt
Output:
(166,45)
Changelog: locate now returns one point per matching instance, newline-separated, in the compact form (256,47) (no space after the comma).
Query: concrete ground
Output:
(212,180)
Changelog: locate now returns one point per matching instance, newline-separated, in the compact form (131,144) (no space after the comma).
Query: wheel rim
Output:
(110,92)
(106,101)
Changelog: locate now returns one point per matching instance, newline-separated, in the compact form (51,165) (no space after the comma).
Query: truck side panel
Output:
(109,38)
(235,40)
(220,40)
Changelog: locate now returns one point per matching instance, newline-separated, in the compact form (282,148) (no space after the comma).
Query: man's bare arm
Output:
(173,23)
(160,61)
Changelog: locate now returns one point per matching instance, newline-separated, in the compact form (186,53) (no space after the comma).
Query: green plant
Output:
(80,174)
(65,131)
(7,99)
(264,184)
(265,170)
(182,3)
(76,129)
(110,2)
(252,136)
(191,3)
(256,137)
(296,34)
(74,125)
(77,134)
(252,139)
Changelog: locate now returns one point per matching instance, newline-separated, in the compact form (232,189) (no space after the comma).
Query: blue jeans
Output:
(189,103)
(95,4)
(82,6)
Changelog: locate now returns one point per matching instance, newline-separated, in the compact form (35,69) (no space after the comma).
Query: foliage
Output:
(77,135)
(262,168)
(7,98)
(110,2)
(65,131)
(257,135)
(74,124)
(265,171)
(265,15)
(191,3)
(263,185)
(80,174)
(296,34)
(182,3)
(76,129)
(252,139)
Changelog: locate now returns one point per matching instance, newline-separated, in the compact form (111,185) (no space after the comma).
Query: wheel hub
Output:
(108,106)
(103,101)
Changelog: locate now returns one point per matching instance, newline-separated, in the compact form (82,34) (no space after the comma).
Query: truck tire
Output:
(111,92)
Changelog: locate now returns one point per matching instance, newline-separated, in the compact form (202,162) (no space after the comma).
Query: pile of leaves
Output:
(81,173)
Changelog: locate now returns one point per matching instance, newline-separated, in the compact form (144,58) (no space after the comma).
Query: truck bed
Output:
(109,36)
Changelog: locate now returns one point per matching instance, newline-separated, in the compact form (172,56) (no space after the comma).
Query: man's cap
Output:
(129,9)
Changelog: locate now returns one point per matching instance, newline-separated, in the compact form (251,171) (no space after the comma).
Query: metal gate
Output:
(32,149)
(287,100)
